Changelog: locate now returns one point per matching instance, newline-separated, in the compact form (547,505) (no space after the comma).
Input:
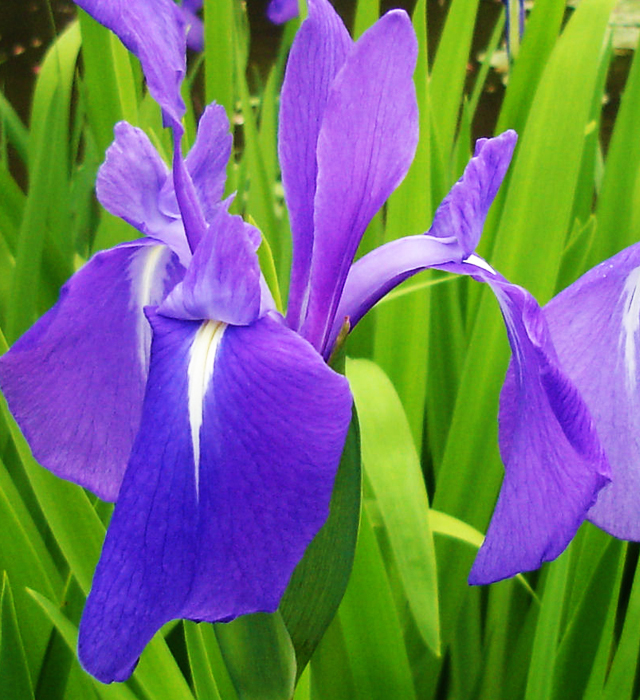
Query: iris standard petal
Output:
(366,144)
(554,462)
(154,31)
(222,282)
(229,480)
(595,326)
(318,52)
(207,160)
(134,184)
(75,381)
(280,11)
(463,211)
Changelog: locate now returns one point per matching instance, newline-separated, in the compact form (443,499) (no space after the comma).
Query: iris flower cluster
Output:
(215,422)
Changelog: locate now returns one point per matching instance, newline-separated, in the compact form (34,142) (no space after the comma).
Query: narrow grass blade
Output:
(15,681)
(371,627)
(392,468)
(259,656)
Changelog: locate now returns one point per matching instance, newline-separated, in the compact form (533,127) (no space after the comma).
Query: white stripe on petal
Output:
(147,272)
(203,355)
(631,327)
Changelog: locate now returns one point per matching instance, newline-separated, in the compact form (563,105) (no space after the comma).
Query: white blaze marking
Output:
(147,273)
(476,260)
(631,325)
(200,370)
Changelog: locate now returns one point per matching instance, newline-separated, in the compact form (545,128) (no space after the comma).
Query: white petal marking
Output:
(631,326)
(147,272)
(476,260)
(200,370)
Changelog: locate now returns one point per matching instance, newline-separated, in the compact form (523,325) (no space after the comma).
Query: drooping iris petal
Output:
(154,31)
(75,381)
(223,279)
(218,534)
(280,11)
(455,231)
(134,184)
(366,144)
(464,210)
(554,462)
(318,52)
(595,326)
(207,160)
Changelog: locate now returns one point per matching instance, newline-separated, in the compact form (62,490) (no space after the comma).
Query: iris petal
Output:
(280,11)
(154,31)
(220,538)
(75,381)
(207,160)
(223,279)
(554,463)
(595,326)
(366,144)
(318,52)
(135,184)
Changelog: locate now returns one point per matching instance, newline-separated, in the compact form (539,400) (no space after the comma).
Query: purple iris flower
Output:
(280,11)
(165,377)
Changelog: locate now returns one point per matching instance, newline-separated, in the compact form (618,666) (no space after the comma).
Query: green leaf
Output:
(259,656)
(620,681)
(17,133)
(392,468)
(545,644)
(203,679)
(320,579)
(47,200)
(15,681)
(69,632)
(373,635)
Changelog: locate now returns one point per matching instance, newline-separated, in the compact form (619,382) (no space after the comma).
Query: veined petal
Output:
(134,184)
(154,31)
(366,144)
(554,462)
(222,283)
(75,381)
(318,52)
(208,158)
(595,326)
(464,210)
(280,11)
(218,538)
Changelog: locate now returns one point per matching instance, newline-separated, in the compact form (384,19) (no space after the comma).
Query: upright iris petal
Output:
(366,144)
